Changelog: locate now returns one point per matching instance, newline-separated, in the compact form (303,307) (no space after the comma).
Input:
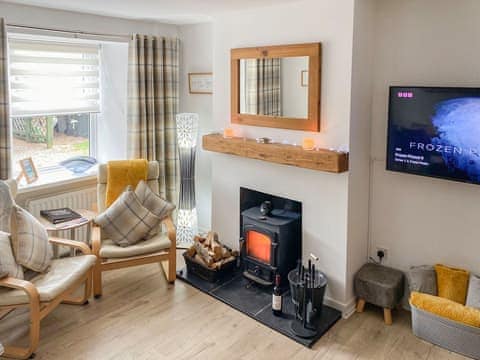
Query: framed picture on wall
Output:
(29,171)
(304,78)
(200,83)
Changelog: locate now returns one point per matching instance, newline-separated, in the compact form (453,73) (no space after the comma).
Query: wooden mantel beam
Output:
(319,159)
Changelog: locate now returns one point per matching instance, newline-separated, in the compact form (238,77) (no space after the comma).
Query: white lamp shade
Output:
(187,130)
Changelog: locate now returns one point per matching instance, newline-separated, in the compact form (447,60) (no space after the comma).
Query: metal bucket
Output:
(297,288)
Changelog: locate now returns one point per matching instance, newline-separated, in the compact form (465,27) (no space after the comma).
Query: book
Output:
(71,223)
(56,216)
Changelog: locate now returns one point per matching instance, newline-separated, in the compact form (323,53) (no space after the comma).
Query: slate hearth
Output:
(255,301)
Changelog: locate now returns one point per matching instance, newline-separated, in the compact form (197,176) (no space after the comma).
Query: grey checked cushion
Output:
(473,295)
(6,206)
(8,266)
(422,279)
(30,241)
(127,221)
(154,203)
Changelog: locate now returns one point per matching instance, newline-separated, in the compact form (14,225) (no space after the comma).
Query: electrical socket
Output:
(385,253)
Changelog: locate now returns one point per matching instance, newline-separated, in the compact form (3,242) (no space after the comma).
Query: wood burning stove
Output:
(270,244)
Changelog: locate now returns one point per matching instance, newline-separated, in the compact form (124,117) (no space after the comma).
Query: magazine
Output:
(56,216)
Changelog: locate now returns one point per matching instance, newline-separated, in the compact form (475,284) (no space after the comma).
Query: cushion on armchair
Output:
(8,265)
(110,250)
(122,173)
(127,221)
(30,244)
(6,206)
(446,308)
(452,283)
(154,203)
(63,274)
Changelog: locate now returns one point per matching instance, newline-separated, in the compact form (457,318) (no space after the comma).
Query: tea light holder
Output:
(228,133)
(308,144)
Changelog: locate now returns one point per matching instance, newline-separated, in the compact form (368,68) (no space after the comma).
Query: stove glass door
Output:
(258,246)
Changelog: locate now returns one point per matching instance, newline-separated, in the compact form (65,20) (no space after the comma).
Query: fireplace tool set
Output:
(307,286)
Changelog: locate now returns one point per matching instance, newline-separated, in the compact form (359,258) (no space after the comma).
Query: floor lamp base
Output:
(187,227)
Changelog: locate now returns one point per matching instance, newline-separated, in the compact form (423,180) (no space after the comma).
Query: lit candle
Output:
(228,133)
(308,144)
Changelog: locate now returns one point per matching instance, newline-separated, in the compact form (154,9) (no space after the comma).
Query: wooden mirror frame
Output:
(314,53)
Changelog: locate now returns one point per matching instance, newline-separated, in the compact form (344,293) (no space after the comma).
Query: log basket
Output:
(206,273)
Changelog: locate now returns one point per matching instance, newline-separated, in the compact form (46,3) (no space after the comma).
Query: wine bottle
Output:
(277,300)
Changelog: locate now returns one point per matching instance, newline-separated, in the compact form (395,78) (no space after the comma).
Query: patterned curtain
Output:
(153,95)
(263,89)
(5,134)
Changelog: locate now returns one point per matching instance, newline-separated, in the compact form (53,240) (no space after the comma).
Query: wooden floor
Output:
(141,317)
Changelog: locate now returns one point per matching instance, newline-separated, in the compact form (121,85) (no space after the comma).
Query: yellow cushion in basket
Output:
(452,283)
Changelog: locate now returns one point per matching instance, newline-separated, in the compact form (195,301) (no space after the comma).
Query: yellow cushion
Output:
(122,173)
(446,308)
(452,283)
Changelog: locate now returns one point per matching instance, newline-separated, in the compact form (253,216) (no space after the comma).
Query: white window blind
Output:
(51,78)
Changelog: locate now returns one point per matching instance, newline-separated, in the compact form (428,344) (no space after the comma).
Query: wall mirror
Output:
(277,86)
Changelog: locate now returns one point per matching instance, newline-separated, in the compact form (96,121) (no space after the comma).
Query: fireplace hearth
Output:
(271,243)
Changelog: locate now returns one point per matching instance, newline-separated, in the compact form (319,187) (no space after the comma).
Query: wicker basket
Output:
(210,275)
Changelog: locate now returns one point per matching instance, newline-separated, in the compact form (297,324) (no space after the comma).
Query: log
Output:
(199,238)
(209,252)
(198,259)
(191,251)
(203,253)
(220,252)
(218,265)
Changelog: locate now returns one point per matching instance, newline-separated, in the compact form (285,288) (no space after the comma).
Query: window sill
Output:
(50,181)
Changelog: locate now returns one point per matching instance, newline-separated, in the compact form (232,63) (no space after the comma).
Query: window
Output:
(55,96)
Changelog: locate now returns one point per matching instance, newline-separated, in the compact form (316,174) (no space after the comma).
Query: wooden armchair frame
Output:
(166,258)
(38,309)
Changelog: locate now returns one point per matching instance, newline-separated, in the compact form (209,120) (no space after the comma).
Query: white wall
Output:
(423,220)
(324,196)
(197,53)
(359,158)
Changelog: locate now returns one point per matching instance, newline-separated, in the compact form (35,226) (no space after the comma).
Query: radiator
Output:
(82,199)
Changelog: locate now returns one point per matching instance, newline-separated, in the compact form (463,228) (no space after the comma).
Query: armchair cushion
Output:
(63,274)
(110,250)
(154,203)
(8,266)
(126,221)
(30,241)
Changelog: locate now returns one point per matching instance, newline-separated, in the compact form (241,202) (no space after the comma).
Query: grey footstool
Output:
(379,285)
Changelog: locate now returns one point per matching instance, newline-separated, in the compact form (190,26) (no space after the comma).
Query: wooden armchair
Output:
(44,292)
(159,249)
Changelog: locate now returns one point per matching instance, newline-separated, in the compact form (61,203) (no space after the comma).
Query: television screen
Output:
(435,132)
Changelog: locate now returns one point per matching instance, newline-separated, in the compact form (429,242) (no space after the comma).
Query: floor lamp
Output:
(187,132)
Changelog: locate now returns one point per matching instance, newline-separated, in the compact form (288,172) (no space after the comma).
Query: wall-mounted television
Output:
(435,131)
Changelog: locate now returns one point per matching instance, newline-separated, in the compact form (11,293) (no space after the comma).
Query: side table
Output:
(53,229)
